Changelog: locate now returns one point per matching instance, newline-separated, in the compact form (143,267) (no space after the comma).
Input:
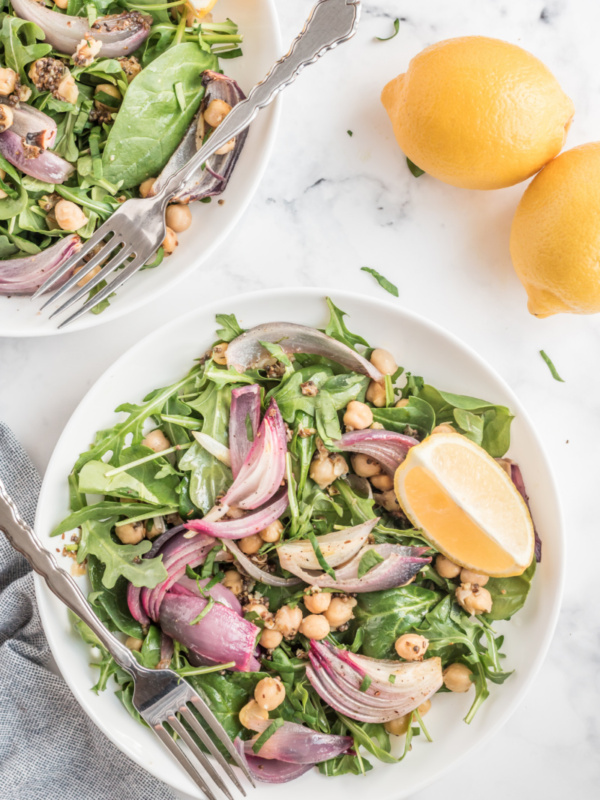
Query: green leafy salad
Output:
(241,527)
(96,97)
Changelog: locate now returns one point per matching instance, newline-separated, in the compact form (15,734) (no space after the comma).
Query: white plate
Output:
(212,223)
(421,347)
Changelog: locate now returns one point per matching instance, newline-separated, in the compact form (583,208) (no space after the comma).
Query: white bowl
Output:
(423,348)
(212,223)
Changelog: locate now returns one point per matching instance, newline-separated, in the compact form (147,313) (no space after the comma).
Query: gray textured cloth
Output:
(49,749)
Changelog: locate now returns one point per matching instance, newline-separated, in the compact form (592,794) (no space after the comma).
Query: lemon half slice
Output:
(466,505)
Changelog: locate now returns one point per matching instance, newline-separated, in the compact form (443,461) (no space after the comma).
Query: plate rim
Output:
(319,293)
(196,261)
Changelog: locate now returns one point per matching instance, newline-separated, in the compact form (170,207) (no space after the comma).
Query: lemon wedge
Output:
(466,505)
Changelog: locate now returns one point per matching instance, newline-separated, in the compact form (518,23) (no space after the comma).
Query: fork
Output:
(138,227)
(160,695)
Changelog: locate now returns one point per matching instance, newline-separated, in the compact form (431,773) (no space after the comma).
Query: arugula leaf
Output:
(368,736)
(320,557)
(551,367)
(383,282)
(119,559)
(346,764)
(415,171)
(113,602)
(418,414)
(99,511)
(384,616)
(150,652)
(231,327)
(394,34)
(266,734)
(336,327)
(369,560)
(20,41)
(226,375)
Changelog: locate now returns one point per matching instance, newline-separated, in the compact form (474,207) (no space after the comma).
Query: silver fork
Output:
(160,696)
(138,227)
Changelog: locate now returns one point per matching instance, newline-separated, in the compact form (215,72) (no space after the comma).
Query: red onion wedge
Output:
(516,476)
(399,566)
(386,447)
(25,275)
(167,649)
(244,415)
(244,526)
(220,635)
(46,166)
(271,771)
(246,351)
(35,127)
(337,677)
(255,572)
(297,744)
(120,34)
(337,547)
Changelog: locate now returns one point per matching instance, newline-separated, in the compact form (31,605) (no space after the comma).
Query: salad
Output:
(241,526)
(101,101)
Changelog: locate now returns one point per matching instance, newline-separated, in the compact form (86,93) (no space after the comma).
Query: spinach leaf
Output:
(509,594)
(384,616)
(13,206)
(151,123)
(418,414)
(119,559)
(336,327)
(231,327)
(113,602)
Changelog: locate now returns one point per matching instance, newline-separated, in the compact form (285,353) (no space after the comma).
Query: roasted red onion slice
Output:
(221,635)
(167,648)
(46,166)
(120,34)
(214,179)
(35,127)
(297,744)
(244,414)
(336,547)
(246,351)
(269,771)
(338,675)
(515,474)
(255,572)
(25,275)
(244,526)
(387,447)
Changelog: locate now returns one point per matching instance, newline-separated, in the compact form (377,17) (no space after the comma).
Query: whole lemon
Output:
(555,236)
(478,113)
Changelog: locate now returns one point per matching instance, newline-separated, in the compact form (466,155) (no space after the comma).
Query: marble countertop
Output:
(331,203)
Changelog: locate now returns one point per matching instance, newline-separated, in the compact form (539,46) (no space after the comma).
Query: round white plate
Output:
(421,347)
(212,222)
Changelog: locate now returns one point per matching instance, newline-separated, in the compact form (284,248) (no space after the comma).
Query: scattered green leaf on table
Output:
(383,282)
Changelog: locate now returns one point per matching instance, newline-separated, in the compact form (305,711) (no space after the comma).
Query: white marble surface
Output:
(331,203)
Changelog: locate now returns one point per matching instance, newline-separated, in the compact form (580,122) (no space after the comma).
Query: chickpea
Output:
(317,602)
(270,639)
(134,644)
(376,394)
(446,568)
(251,544)
(384,361)
(86,278)
(457,677)
(259,609)
(8,81)
(78,570)
(146,186)
(227,148)
(365,466)
(178,217)
(287,621)
(402,403)
(252,713)
(170,242)
(67,89)
(216,112)
(340,611)
(325,470)
(233,581)
(61,3)
(269,693)
(272,533)
(6,117)
(473,598)
(111,91)
(444,428)
(69,216)
(468,576)
(382,482)
(132,533)
(157,441)
(358,415)
(388,501)
(399,726)
(218,353)
(411,647)
(315,626)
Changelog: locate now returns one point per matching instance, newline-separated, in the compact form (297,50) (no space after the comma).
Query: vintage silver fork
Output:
(138,227)
(160,695)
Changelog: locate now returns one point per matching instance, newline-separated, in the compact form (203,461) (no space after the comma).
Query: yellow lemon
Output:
(555,237)
(478,113)
(466,505)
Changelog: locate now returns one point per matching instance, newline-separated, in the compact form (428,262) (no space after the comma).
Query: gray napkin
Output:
(49,749)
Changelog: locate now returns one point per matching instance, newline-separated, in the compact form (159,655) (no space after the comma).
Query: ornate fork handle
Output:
(330,23)
(24,540)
